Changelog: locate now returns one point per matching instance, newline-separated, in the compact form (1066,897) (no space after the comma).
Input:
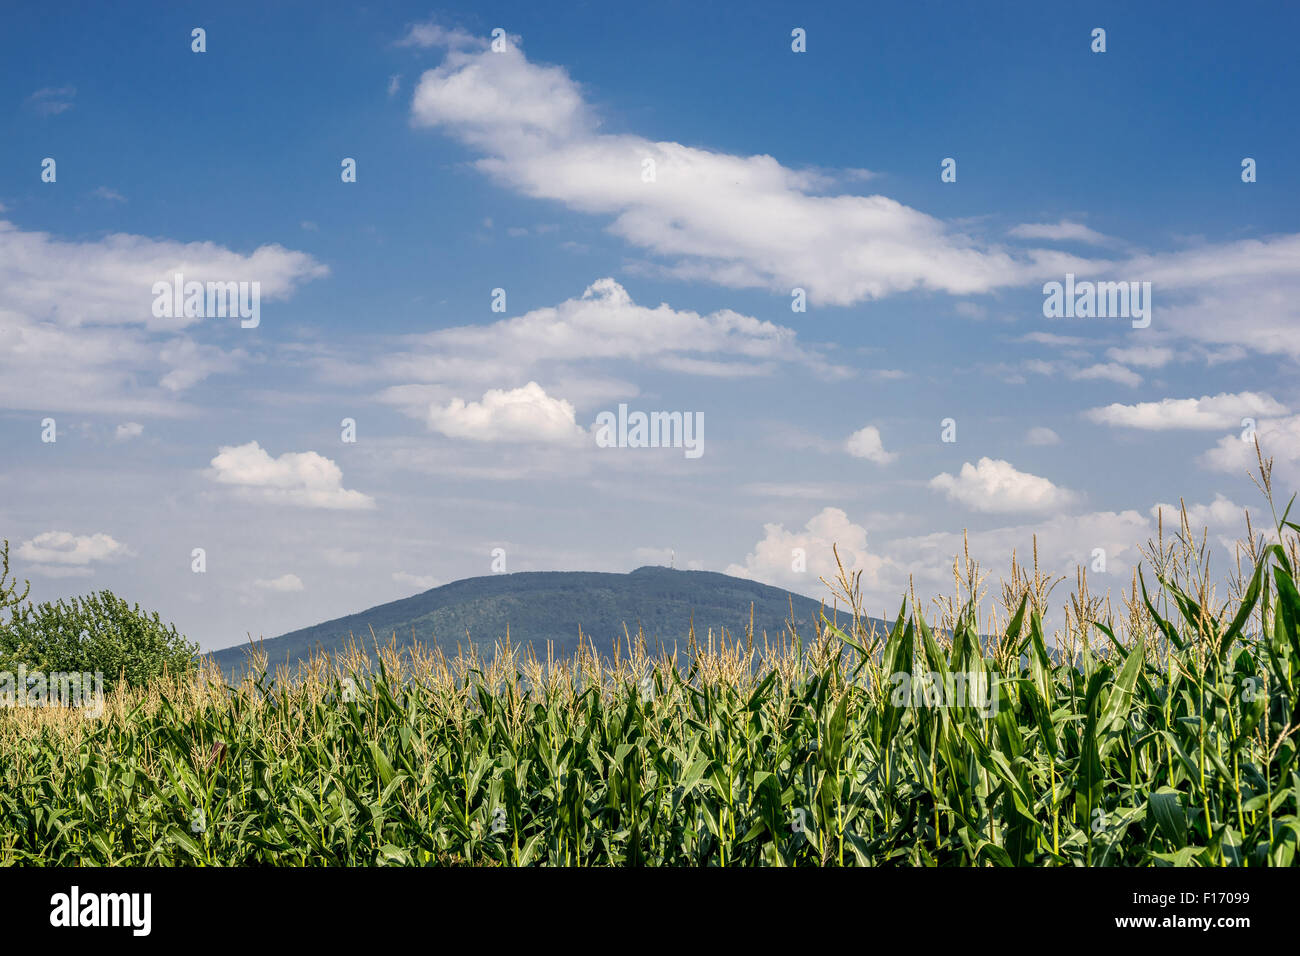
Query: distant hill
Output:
(542,606)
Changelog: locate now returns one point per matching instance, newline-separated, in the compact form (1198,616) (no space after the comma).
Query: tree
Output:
(98,632)
(9,596)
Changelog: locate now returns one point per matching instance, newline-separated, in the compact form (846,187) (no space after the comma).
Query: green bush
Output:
(98,632)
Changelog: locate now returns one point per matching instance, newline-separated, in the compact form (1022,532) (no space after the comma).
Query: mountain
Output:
(542,606)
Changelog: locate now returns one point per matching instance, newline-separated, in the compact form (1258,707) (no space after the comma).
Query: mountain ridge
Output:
(541,607)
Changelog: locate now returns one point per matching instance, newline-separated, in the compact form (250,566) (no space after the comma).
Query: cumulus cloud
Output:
(63,554)
(303,479)
(776,558)
(1063,543)
(574,342)
(524,414)
(1207,412)
(1278,439)
(1042,435)
(993,485)
(866,443)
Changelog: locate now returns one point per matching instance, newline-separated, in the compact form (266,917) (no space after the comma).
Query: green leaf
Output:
(1166,806)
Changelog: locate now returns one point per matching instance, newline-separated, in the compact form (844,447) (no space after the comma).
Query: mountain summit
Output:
(542,606)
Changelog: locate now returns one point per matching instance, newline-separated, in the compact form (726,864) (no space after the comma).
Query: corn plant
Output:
(1165,738)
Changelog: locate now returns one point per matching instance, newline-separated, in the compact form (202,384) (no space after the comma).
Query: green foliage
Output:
(1175,746)
(1114,758)
(98,632)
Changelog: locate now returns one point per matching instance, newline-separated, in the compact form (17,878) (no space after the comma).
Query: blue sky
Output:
(522,169)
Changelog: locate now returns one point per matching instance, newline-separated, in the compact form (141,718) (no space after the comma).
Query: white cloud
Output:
(1220,354)
(603,325)
(63,554)
(1041,435)
(1062,231)
(741,221)
(422,581)
(495,98)
(1278,438)
(1109,372)
(52,100)
(866,443)
(284,584)
(524,414)
(750,222)
(110,280)
(77,330)
(1144,356)
(128,430)
(996,486)
(426,35)
(857,174)
(1063,543)
(304,479)
(773,559)
(112,195)
(1106,372)
(191,362)
(1216,515)
(1243,294)
(1207,412)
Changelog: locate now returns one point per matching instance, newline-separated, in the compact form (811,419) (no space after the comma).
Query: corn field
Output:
(1164,734)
